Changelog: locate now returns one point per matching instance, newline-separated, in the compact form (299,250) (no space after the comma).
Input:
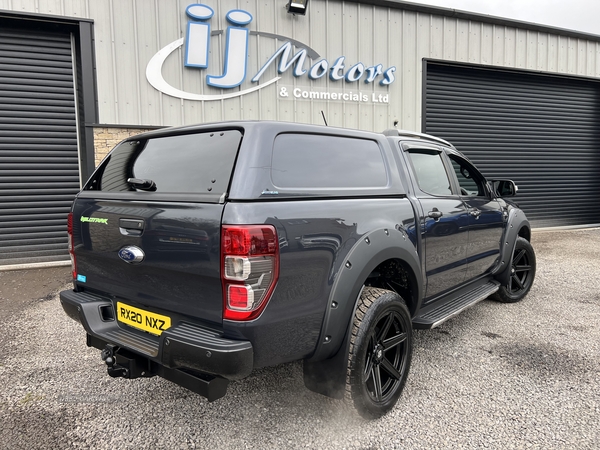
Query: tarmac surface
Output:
(502,376)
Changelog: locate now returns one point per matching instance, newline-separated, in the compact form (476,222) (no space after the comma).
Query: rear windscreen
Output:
(191,163)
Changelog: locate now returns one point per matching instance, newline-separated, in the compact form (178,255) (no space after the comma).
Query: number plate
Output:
(142,320)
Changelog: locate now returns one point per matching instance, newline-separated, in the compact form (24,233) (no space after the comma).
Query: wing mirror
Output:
(505,188)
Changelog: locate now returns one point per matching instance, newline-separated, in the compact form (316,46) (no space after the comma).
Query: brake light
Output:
(71,247)
(249,269)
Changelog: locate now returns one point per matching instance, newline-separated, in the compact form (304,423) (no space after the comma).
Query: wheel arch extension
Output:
(517,226)
(525,232)
(325,370)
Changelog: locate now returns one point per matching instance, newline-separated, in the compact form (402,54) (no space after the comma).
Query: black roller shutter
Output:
(39,170)
(541,131)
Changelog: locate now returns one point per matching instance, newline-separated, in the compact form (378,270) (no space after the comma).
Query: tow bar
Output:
(122,363)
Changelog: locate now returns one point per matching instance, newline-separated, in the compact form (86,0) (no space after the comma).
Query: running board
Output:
(431,318)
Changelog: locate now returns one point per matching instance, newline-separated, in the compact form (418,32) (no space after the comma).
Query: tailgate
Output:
(179,244)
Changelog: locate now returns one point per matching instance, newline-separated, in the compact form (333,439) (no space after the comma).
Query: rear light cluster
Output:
(250,269)
(71,248)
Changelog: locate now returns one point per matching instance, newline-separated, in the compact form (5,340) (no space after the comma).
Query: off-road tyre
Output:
(522,274)
(380,352)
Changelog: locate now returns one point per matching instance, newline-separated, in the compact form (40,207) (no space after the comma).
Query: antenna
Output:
(324,119)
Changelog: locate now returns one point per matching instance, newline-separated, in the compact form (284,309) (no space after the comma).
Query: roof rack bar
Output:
(414,134)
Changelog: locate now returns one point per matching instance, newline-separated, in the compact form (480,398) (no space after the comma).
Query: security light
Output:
(297,7)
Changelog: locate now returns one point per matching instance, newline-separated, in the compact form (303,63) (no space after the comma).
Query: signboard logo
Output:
(197,48)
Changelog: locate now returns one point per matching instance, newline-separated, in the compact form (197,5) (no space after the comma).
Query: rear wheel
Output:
(522,273)
(380,352)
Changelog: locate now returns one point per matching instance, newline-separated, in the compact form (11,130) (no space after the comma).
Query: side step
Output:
(431,318)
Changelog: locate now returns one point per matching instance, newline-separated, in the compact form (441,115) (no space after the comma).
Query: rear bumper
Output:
(183,346)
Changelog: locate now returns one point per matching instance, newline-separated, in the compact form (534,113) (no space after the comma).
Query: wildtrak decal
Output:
(94,220)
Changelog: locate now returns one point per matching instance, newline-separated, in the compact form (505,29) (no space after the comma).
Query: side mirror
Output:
(505,188)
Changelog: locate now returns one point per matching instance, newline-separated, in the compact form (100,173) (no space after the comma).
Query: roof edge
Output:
(40,17)
(466,15)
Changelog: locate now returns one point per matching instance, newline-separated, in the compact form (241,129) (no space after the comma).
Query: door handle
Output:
(131,227)
(475,213)
(435,214)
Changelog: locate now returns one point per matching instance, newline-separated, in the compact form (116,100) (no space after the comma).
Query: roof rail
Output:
(414,134)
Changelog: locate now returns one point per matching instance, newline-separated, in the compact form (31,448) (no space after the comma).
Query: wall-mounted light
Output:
(297,7)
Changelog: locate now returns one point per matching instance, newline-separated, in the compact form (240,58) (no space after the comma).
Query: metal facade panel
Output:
(409,64)
(75,8)
(147,40)
(169,29)
(540,131)
(39,165)
(55,7)
(105,67)
(361,32)
(127,74)
(129,32)
(23,5)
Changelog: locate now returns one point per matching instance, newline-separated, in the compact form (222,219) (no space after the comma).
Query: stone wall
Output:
(106,138)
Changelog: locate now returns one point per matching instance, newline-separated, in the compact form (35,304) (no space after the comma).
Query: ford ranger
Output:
(200,253)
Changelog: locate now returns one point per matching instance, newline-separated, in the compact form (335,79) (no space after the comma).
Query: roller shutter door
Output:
(541,131)
(39,170)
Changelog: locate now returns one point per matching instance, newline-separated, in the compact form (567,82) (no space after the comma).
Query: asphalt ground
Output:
(500,376)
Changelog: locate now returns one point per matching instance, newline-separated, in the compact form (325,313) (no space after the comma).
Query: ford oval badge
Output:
(132,254)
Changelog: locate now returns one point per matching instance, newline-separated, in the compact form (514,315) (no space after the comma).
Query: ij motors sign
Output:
(303,63)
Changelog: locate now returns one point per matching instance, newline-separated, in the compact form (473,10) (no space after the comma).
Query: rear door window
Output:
(431,174)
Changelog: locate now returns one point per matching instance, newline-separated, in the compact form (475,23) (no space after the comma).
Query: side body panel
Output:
(316,239)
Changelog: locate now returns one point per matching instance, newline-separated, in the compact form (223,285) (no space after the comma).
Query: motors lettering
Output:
(132,316)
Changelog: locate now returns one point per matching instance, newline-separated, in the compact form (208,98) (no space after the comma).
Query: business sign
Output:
(197,45)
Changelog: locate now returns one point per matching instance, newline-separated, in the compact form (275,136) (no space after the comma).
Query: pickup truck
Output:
(200,253)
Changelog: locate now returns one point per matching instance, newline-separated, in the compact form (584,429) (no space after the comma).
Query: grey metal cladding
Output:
(39,168)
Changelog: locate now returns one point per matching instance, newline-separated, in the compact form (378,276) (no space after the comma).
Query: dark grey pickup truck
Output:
(201,253)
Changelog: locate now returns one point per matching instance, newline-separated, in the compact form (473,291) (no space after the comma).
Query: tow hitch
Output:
(122,363)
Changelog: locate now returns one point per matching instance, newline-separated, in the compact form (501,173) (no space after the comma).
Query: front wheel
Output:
(380,352)
(522,273)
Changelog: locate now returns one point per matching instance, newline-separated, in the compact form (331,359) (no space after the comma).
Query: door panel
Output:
(485,217)
(445,242)
(485,232)
(444,221)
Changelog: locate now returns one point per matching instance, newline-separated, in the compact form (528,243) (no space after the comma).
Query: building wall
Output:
(105,138)
(129,32)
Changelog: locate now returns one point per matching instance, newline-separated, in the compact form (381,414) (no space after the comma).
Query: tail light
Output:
(71,247)
(250,269)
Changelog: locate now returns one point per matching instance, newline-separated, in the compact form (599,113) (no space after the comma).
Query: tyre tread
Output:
(367,298)
(502,295)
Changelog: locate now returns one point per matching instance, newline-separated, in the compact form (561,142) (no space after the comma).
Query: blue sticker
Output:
(81,278)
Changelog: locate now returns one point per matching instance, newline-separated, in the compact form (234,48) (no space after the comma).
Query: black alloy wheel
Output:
(522,273)
(519,272)
(386,357)
(380,352)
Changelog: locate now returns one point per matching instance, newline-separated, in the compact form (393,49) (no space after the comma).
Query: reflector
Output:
(240,297)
